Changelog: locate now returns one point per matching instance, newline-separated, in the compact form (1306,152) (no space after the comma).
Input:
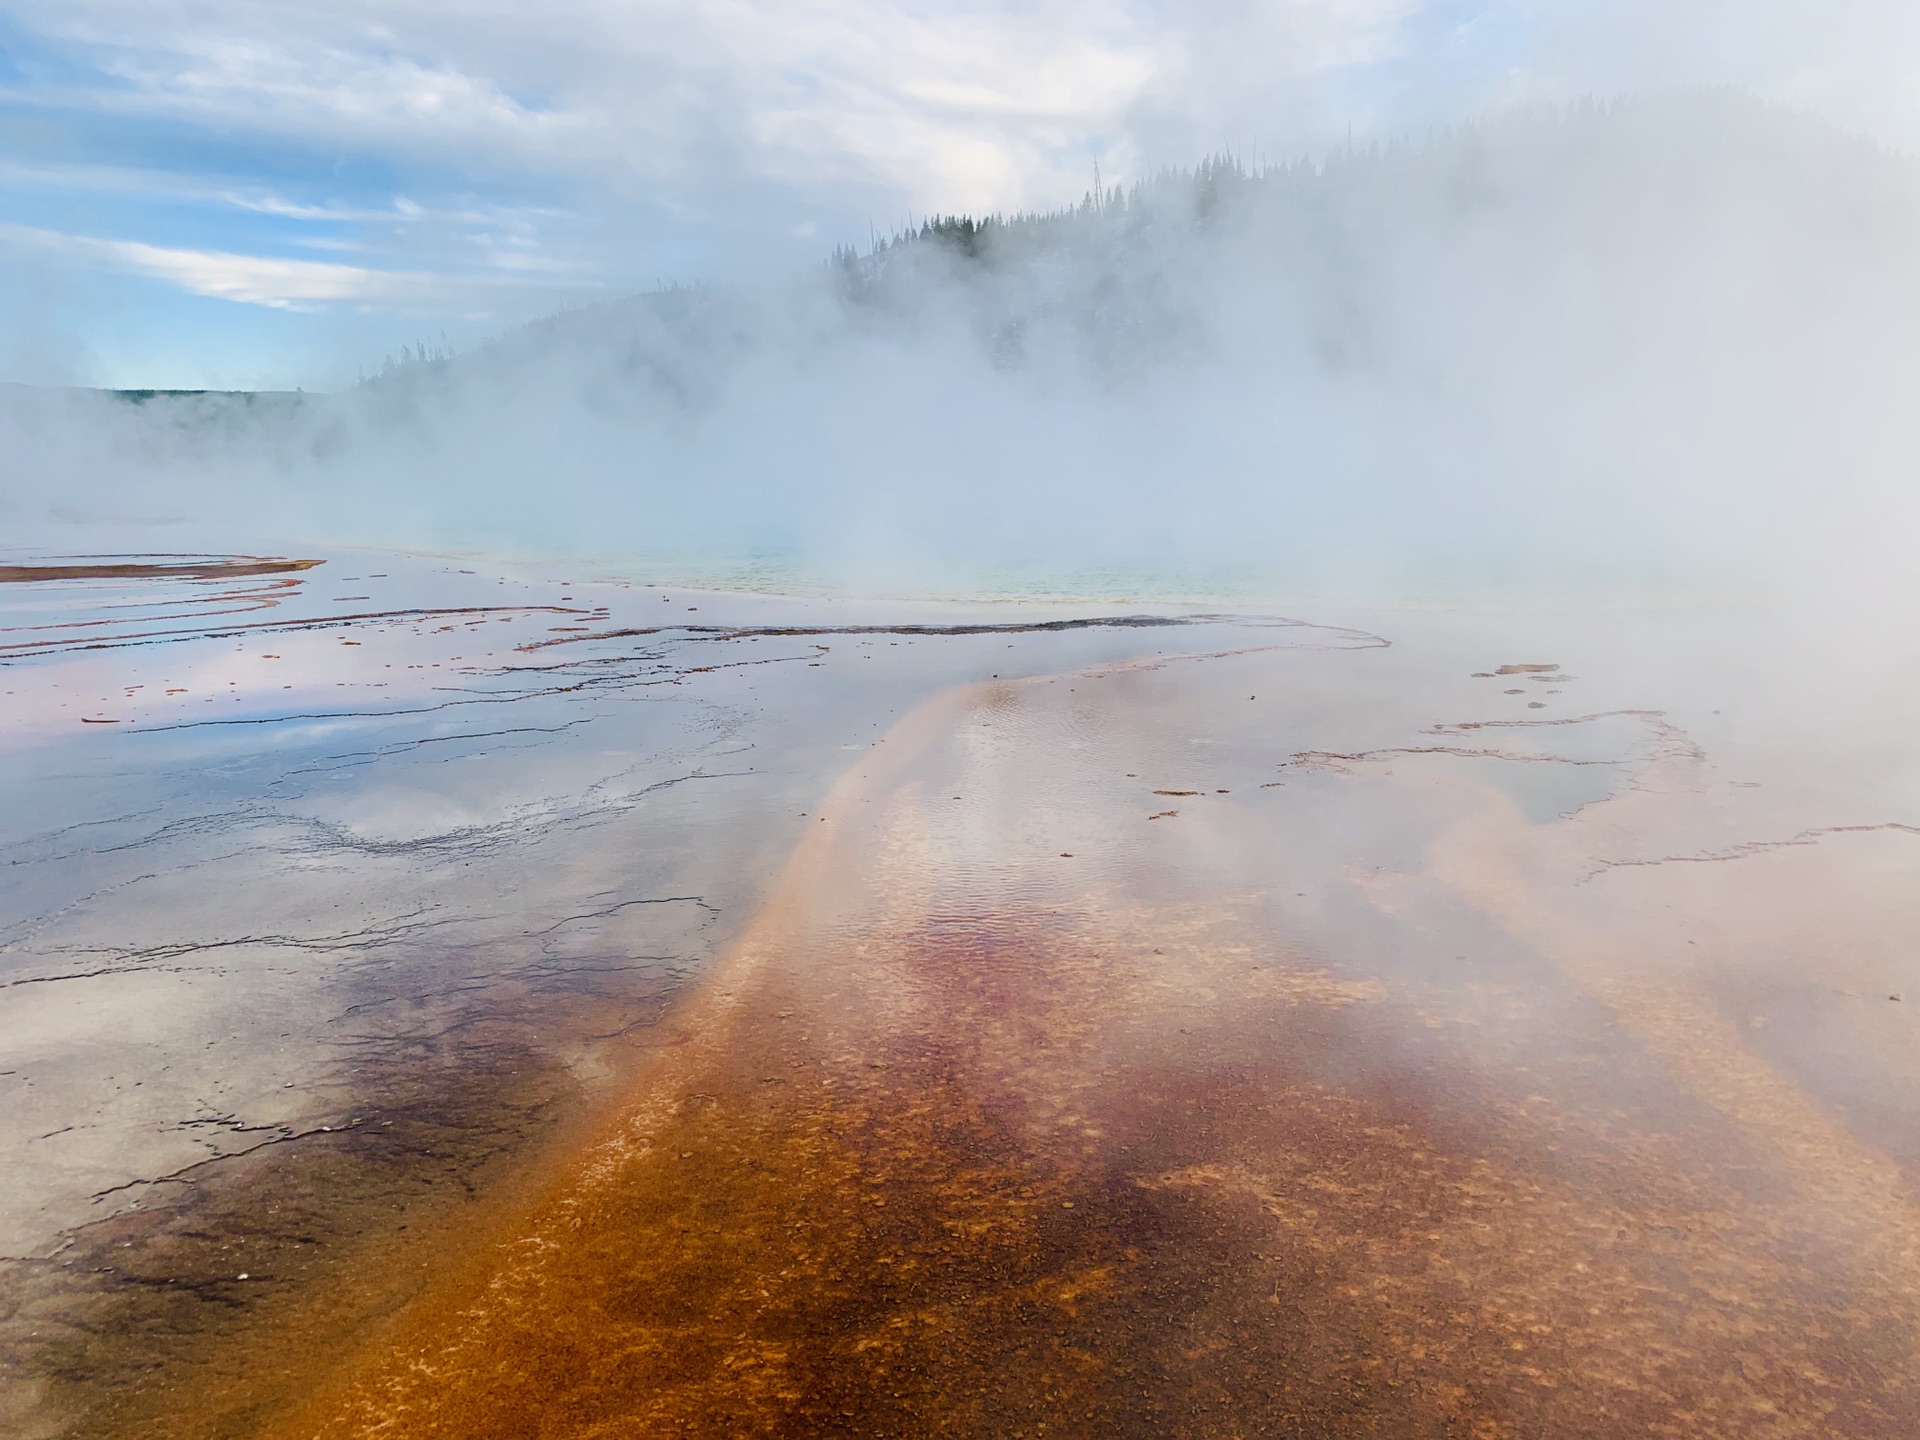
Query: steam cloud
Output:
(1660,343)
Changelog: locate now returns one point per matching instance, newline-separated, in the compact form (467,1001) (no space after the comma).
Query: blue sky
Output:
(281,192)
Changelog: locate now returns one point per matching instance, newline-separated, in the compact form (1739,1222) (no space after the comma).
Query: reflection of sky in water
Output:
(157,650)
(246,808)
(421,839)
(1242,984)
(1545,793)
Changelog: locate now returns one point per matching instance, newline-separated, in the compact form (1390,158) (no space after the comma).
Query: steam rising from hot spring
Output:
(1663,343)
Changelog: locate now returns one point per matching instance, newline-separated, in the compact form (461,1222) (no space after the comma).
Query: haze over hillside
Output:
(1661,342)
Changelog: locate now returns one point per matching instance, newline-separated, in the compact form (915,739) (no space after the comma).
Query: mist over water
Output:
(1653,348)
(1457,979)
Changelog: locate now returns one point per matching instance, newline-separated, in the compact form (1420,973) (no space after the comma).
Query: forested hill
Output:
(1671,334)
(1605,213)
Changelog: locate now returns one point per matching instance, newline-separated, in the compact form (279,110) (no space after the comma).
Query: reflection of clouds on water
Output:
(159,645)
(1361,1073)
(457,805)
(99,602)
(382,922)
(364,938)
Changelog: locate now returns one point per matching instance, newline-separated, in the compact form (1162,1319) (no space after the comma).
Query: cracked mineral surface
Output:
(335,889)
(546,1018)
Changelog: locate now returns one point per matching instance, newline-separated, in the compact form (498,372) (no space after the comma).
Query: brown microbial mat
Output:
(169,567)
(1422,1069)
(1013,1114)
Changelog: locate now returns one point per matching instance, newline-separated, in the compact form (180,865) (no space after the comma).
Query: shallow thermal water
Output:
(1230,1028)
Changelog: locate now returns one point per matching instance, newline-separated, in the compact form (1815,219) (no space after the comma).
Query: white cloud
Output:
(616,141)
(175,187)
(1855,60)
(281,76)
(254,279)
(934,102)
(971,102)
(251,279)
(903,103)
(278,282)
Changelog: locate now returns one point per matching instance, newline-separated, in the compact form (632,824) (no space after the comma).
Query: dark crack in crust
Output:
(238,1277)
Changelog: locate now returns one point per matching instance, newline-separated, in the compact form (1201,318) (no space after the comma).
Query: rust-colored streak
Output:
(928,1162)
(1077,1153)
(195,568)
